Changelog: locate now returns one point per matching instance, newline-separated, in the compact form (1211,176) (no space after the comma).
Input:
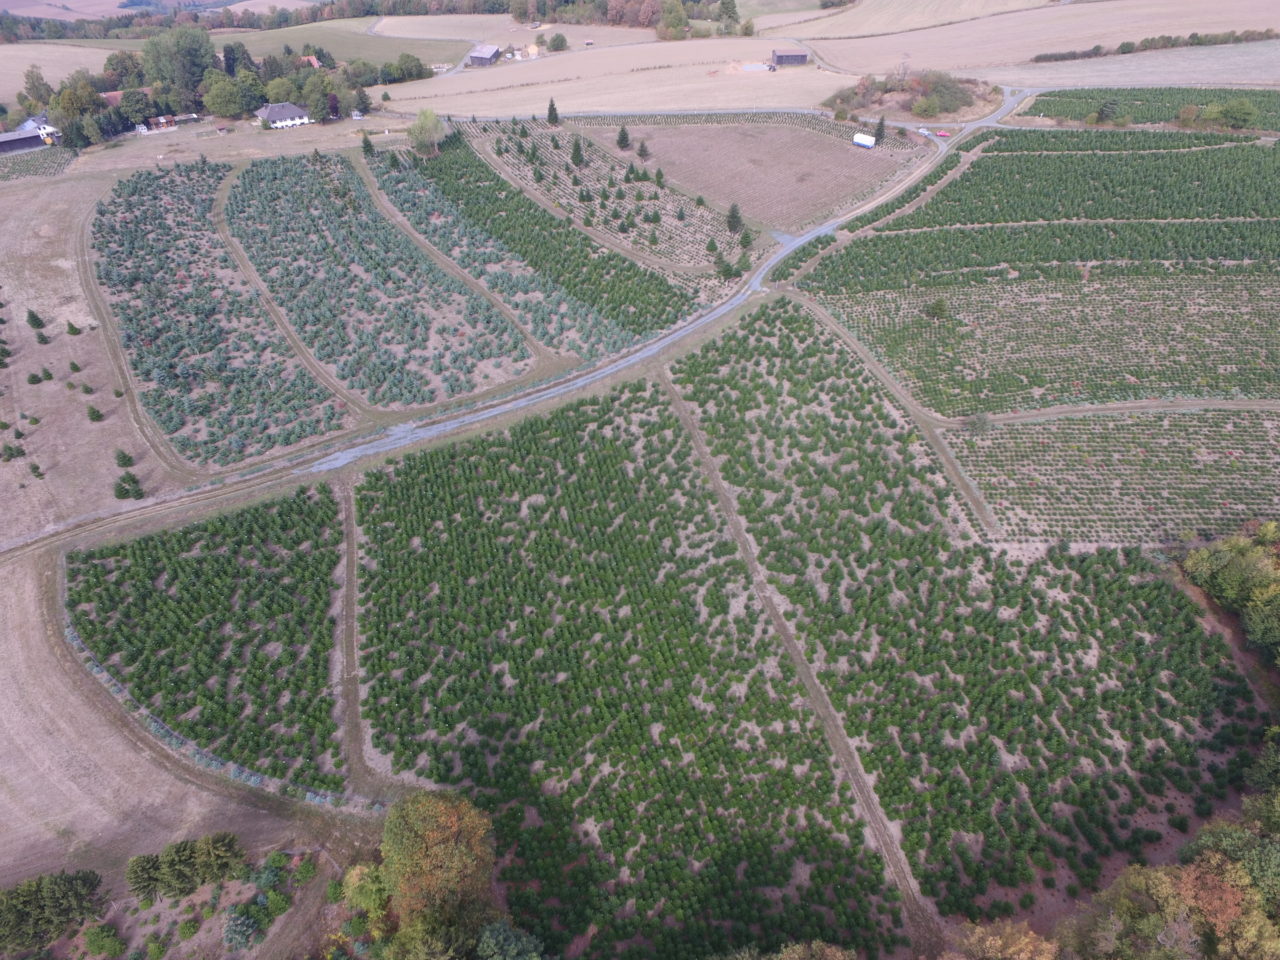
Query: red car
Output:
(943,133)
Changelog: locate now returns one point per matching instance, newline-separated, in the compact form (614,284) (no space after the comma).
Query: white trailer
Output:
(864,140)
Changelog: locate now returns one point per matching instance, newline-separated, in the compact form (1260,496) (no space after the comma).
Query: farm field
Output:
(569,291)
(1232,182)
(960,236)
(503,29)
(1152,105)
(1014,38)
(869,18)
(47,162)
(784,170)
(628,198)
(557,618)
(222,631)
(1033,724)
(1019,346)
(1137,478)
(216,375)
(366,301)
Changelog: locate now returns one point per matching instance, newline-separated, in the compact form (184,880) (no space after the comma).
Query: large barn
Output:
(485,55)
(790,58)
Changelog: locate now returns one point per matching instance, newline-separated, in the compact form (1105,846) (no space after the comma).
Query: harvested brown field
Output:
(502,29)
(56,60)
(783,176)
(869,18)
(1015,38)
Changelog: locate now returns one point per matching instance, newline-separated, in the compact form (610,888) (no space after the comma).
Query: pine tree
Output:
(576,157)
(553,115)
(642,151)
(366,145)
(729,11)
(624,138)
(880,129)
(734,220)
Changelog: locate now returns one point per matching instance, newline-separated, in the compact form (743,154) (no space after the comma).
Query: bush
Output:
(188,928)
(558,43)
(103,940)
(305,872)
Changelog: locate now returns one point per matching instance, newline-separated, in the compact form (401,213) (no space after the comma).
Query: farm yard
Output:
(632,201)
(1009,346)
(1020,769)
(365,300)
(222,631)
(217,376)
(571,293)
(612,692)
(771,164)
(1136,478)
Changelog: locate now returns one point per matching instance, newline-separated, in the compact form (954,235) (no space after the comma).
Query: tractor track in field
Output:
(923,923)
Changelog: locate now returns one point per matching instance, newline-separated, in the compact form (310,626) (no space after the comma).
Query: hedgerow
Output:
(394,325)
(556,619)
(218,377)
(1019,716)
(1105,141)
(222,630)
(1153,104)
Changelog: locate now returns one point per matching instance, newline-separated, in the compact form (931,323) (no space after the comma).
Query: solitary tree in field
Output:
(880,129)
(734,220)
(642,151)
(624,138)
(426,132)
(553,115)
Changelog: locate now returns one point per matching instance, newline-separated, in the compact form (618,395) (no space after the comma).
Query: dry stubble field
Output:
(755,168)
(868,18)
(1015,38)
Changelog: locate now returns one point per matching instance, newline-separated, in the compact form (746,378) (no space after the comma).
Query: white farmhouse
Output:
(279,115)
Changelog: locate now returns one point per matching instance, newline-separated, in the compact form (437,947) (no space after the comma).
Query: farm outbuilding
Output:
(485,55)
(21,140)
(790,58)
(864,140)
(285,114)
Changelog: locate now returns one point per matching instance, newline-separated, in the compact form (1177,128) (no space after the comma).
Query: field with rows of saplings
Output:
(852,620)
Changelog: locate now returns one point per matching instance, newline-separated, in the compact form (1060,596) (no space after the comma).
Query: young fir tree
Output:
(734,220)
(553,115)
(624,138)
(880,129)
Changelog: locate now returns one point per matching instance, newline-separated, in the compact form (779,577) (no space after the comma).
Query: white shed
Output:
(864,140)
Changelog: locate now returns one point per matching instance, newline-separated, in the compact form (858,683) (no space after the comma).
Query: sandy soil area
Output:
(80,784)
(1016,37)
(501,29)
(871,17)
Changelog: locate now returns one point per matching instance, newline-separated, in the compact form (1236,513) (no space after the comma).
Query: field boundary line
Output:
(133,389)
(920,915)
(542,354)
(929,424)
(218,214)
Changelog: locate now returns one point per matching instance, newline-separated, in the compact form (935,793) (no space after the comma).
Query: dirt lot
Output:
(1016,37)
(868,18)
(756,167)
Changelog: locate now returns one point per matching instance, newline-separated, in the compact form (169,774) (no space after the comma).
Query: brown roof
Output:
(113,97)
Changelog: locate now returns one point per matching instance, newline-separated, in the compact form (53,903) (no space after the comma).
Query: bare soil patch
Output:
(782,176)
